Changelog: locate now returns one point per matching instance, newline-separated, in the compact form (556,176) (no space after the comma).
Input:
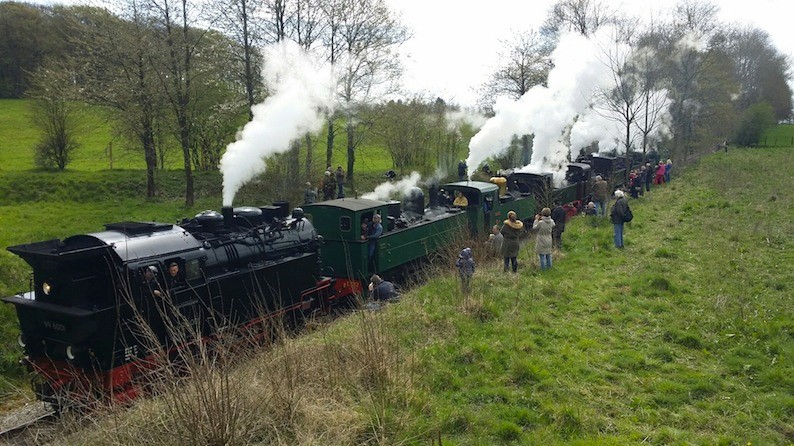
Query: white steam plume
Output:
(456,118)
(386,191)
(564,116)
(546,112)
(301,90)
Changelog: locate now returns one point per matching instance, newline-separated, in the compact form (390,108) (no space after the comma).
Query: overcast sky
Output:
(455,43)
(454,47)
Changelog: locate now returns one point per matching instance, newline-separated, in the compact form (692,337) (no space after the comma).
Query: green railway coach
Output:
(488,204)
(406,238)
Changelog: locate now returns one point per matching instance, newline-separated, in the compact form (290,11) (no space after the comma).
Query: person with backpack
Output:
(621,214)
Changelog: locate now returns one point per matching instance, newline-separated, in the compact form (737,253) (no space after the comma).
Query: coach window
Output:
(192,270)
(345,224)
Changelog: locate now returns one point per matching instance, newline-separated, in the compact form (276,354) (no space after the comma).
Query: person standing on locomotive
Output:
(543,243)
(462,168)
(374,233)
(558,214)
(600,191)
(511,231)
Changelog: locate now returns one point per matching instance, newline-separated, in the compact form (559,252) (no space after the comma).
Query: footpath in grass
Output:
(684,337)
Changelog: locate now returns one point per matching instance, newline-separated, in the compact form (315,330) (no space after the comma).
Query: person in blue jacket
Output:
(374,233)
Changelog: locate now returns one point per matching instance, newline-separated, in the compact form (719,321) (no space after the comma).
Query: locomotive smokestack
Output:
(228,215)
(433,192)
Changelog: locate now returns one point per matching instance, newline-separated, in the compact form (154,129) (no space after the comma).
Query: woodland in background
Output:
(182,76)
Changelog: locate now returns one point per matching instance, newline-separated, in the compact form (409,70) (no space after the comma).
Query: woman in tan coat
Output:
(511,231)
(543,243)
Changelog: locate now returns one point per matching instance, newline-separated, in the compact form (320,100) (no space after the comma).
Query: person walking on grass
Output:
(544,225)
(667,168)
(621,213)
(465,264)
(511,231)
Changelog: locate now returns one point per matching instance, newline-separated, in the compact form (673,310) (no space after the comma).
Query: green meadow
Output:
(684,337)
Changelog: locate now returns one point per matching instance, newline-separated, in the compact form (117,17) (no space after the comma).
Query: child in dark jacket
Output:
(465,264)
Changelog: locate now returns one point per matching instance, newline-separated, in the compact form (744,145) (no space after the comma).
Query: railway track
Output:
(16,432)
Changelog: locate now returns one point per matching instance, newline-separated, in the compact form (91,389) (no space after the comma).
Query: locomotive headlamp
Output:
(21,340)
(46,287)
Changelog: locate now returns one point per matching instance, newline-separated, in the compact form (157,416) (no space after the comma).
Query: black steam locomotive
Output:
(79,324)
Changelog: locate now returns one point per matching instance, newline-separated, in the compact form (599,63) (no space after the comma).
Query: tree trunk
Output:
(309,157)
(524,150)
(150,156)
(184,136)
(329,148)
(294,159)
(351,150)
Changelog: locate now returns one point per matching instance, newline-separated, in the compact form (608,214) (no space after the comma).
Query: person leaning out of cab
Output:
(460,200)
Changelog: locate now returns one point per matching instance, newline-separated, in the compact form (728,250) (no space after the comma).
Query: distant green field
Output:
(779,136)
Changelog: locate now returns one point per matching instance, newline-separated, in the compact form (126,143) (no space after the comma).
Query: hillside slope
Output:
(684,337)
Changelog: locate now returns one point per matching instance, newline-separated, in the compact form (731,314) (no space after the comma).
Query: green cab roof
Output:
(350,204)
(481,186)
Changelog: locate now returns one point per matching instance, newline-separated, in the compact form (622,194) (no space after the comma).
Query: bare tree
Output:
(238,20)
(176,70)
(369,34)
(685,46)
(654,102)
(624,100)
(403,127)
(580,16)
(114,72)
(760,70)
(526,63)
(56,116)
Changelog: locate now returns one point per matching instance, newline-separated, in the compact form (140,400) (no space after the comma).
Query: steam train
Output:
(81,320)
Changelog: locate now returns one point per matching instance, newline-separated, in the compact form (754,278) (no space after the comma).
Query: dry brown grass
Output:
(337,385)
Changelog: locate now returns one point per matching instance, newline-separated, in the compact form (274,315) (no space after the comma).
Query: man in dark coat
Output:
(329,186)
(620,211)
(648,177)
(310,194)
(558,214)
(462,168)
(374,232)
(381,289)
